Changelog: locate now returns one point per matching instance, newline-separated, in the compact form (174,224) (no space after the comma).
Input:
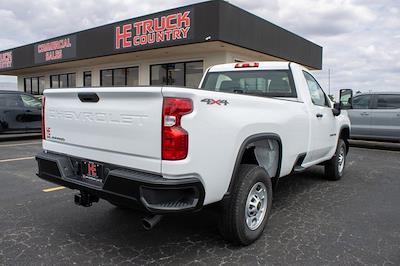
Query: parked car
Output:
(19,113)
(376,116)
(171,149)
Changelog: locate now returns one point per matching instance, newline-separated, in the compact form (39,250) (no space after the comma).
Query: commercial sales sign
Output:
(160,29)
(56,49)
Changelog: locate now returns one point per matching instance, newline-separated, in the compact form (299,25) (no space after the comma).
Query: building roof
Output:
(198,23)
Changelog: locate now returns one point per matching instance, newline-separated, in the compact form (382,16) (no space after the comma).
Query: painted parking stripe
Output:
(19,144)
(16,159)
(53,189)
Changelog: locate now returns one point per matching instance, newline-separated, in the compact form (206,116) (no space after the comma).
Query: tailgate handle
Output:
(88,97)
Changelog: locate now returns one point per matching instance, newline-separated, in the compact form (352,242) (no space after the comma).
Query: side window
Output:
(361,102)
(388,101)
(31,102)
(317,94)
(10,101)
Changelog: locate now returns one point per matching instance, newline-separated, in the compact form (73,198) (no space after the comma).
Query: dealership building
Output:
(172,47)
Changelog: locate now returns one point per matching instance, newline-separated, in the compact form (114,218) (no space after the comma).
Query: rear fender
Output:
(248,142)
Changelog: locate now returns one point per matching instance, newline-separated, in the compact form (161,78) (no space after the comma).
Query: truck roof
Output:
(261,66)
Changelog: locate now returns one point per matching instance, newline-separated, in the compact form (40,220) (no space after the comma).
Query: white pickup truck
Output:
(169,149)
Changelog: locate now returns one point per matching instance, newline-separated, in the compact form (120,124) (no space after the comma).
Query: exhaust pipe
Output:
(151,221)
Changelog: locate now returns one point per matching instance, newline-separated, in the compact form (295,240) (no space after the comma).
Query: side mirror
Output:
(345,102)
(346,99)
(336,109)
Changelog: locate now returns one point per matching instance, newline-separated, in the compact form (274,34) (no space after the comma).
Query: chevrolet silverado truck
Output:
(166,149)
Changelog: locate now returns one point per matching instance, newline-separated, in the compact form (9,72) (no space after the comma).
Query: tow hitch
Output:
(85,199)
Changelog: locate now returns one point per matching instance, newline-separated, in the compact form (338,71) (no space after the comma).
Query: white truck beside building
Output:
(170,149)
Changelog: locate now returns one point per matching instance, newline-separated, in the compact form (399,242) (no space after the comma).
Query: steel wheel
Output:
(341,159)
(256,205)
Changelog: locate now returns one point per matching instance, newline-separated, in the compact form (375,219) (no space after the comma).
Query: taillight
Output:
(43,120)
(175,140)
(244,65)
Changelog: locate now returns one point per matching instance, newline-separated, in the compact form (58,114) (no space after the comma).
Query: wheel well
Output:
(257,146)
(345,136)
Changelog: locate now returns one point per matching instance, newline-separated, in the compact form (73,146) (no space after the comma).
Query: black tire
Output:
(232,224)
(333,170)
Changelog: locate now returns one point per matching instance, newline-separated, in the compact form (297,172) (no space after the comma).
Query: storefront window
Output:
(194,73)
(34,85)
(54,81)
(72,80)
(63,81)
(87,79)
(158,75)
(132,76)
(28,85)
(41,85)
(182,74)
(176,74)
(119,77)
(106,78)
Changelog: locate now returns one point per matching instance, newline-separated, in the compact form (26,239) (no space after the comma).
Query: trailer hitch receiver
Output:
(85,199)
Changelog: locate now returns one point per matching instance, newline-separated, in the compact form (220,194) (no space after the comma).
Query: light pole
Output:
(329,81)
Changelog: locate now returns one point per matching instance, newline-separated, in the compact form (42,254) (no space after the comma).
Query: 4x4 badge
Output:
(214,101)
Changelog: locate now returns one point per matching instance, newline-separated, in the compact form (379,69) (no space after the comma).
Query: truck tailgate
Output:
(123,127)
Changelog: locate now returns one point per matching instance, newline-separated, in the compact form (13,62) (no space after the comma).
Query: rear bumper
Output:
(123,186)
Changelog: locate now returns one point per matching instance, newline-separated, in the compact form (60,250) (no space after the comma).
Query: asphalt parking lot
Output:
(355,221)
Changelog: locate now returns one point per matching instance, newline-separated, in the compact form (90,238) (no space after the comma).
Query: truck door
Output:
(11,113)
(385,117)
(323,131)
(360,116)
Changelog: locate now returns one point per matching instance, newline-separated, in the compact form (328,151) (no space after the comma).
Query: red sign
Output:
(55,50)
(6,60)
(156,30)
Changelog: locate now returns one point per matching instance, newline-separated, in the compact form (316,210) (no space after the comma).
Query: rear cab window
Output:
(265,83)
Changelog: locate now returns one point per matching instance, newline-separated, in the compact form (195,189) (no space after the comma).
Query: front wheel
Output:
(245,214)
(334,168)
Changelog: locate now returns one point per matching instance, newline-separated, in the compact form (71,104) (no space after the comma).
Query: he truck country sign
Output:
(62,48)
(167,28)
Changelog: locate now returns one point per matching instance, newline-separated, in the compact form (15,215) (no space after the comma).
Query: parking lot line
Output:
(53,189)
(19,144)
(16,159)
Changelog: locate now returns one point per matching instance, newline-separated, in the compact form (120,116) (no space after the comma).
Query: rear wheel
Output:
(245,214)
(334,168)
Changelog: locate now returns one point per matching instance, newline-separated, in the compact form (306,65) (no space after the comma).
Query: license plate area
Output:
(92,171)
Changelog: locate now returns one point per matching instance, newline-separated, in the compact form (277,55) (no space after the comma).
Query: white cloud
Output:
(360,37)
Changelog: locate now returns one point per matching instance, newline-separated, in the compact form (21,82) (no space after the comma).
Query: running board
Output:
(297,168)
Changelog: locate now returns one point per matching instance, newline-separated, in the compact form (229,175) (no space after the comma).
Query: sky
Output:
(360,38)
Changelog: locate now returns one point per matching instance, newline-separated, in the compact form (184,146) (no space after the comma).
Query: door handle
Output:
(365,113)
(319,115)
(28,111)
